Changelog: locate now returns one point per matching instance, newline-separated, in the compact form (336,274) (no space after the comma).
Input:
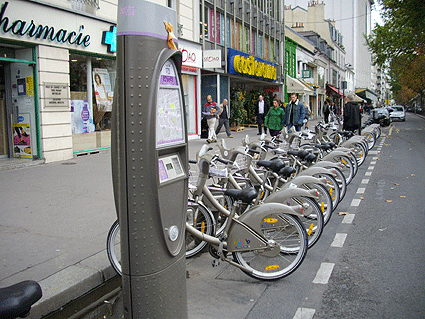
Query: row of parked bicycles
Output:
(258,207)
(262,205)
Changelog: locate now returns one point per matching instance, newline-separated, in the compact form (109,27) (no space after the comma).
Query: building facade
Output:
(50,54)
(58,67)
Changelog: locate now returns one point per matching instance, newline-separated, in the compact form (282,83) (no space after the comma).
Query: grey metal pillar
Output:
(149,163)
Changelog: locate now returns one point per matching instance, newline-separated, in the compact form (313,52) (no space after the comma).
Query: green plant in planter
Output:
(250,105)
(237,111)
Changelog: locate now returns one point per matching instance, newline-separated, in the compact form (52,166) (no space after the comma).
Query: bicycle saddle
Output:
(310,157)
(247,195)
(286,171)
(273,165)
(301,153)
(324,147)
(16,300)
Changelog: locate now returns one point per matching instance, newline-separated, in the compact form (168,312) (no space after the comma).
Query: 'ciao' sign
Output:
(191,56)
(212,59)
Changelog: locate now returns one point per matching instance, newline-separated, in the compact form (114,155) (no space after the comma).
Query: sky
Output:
(304,4)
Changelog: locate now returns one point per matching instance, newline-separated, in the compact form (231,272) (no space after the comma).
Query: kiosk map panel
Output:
(169,117)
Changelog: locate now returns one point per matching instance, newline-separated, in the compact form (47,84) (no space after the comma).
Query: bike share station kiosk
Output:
(149,162)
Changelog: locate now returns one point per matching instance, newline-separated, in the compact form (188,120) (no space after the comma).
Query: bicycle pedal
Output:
(215,262)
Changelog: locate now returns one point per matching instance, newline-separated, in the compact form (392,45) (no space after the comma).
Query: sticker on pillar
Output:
(171,36)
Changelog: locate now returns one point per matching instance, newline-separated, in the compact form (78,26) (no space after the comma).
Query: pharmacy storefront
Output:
(57,73)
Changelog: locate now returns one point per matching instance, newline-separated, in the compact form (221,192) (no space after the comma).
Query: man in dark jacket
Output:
(294,113)
(261,111)
(352,116)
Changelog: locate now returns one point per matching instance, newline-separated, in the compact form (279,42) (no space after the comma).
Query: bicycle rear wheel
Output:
(312,220)
(324,201)
(113,247)
(292,239)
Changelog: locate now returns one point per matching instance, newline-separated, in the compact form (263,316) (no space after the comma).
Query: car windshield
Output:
(398,108)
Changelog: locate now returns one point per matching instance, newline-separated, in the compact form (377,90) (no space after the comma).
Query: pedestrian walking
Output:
(351,116)
(261,111)
(209,112)
(223,118)
(274,118)
(326,110)
(307,115)
(294,113)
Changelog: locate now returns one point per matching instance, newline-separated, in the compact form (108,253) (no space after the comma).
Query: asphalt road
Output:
(370,262)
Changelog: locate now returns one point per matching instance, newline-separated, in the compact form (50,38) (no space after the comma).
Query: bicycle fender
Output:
(327,164)
(344,149)
(283,195)
(300,180)
(333,154)
(313,170)
(258,218)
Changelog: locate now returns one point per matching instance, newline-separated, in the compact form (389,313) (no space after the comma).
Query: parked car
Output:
(397,112)
(381,116)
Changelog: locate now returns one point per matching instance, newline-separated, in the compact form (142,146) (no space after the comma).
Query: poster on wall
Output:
(81,117)
(102,89)
(21,136)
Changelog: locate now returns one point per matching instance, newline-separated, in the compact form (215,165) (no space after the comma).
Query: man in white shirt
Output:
(260,113)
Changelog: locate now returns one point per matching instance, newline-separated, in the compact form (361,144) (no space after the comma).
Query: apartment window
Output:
(246,39)
(272,51)
(211,23)
(229,33)
(222,29)
(253,42)
(238,36)
(204,29)
(260,45)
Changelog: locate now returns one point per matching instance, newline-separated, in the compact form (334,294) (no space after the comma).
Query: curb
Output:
(71,283)
(10,164)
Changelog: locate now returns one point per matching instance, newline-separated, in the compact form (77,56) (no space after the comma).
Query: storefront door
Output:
(17,110)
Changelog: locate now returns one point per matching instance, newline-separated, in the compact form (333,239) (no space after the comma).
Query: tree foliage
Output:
(399,44)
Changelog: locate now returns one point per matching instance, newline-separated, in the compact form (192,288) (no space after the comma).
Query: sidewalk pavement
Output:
(54,220)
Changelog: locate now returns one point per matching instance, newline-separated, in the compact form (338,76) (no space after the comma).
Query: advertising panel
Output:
(102,89)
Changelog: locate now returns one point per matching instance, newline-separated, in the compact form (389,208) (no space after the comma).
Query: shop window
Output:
(96,75)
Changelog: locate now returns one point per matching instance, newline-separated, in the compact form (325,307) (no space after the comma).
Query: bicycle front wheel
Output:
(291,236)
(113,247)
(202,219)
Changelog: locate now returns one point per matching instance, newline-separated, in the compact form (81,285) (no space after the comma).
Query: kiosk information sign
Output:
(169,117)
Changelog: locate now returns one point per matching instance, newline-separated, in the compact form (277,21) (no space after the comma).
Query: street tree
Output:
(399,44)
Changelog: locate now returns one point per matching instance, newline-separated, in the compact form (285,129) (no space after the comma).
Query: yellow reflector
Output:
(270,220)
(203,227)
(272,267)
(323,207)
(310,230)
(331,191)
(342,160)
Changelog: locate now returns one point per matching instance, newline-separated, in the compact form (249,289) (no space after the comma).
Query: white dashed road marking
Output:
(361,190)
(355,202)
(324,273)
(339,240)
(348,219)
(304,313)
(365,181)
(368,174)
